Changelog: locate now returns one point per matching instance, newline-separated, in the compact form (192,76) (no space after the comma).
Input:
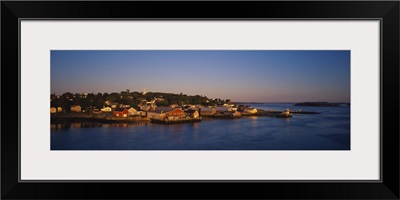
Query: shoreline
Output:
(81,117)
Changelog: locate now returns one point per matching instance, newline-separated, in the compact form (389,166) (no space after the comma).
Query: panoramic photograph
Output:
(200,100)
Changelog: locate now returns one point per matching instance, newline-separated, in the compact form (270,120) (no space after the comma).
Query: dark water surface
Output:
(329,130)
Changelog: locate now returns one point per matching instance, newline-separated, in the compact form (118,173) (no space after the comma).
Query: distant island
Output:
(321,104)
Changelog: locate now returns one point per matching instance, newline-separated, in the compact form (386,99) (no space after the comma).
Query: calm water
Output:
(329,130)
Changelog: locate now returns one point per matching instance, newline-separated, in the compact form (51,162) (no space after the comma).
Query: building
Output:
(166,112)
(114,105)
(132,111)
(76,108)
(145,107)
(53,110)
(141,113)
(106,109)
(207,111)
(193,113)
(156,115)
(222,109)
(121,112)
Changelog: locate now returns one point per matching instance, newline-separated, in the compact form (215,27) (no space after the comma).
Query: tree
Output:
(164,103)
(99,103)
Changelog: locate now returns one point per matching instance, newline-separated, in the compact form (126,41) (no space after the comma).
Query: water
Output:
(329,130)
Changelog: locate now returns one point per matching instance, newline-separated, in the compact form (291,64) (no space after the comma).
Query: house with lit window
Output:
(166,112)
(121,112)
(132,111)
(106,109)
(76,108)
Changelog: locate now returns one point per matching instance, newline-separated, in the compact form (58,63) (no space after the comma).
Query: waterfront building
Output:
(106,109)
(156,115)
(207,111)
(166,112)
(76,108)
(132,111)
(222,109)
(121,112)
(141,113)
(193,113)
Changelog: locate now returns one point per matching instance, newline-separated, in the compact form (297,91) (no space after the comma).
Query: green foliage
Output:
(164,103)
(99,103)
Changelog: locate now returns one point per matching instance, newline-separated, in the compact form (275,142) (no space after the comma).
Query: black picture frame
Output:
(386,11)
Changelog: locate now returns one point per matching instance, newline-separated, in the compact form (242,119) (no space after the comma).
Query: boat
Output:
(285,114)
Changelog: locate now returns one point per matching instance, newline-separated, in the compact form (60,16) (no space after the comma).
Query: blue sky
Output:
(240,75)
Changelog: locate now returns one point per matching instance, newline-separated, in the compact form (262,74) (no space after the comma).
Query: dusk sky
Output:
(240,75)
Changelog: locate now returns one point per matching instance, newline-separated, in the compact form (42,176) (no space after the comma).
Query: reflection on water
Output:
(329,130)
(77,125)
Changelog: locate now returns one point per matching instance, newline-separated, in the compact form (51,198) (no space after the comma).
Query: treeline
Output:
(134,99)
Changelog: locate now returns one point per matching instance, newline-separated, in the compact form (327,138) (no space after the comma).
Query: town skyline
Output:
(240,75)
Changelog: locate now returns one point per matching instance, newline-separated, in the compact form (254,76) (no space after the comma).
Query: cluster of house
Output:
(195,111)
(174,111)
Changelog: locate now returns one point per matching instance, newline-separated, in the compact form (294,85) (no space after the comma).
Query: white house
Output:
(132,111)
(106,109)
(76,108)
